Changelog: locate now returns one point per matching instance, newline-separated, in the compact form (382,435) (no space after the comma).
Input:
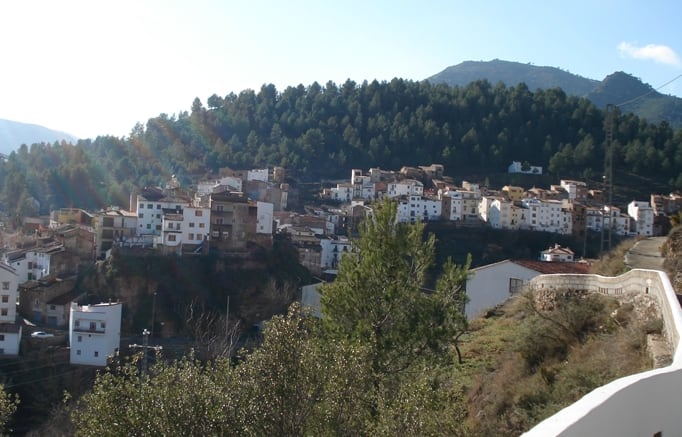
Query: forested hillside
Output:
(323,131)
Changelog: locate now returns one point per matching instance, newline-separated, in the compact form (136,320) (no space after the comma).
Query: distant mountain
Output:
(13,134)
(630,93)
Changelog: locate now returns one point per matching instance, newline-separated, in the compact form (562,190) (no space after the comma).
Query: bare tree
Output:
(214,334)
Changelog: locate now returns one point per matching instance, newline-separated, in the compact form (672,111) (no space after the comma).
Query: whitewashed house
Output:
(557,254)
(405,187)
(332,250)
(547,216)
(189,225)
(492,284)
(229,183)
(415,208)
(10,330)
(94,333)
(643,216)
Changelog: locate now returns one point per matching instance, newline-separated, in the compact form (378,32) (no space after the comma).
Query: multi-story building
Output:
(643,216)
(405,187)
(113,226)
(460,204)
(415,208)
(235,220)
(184,229)
(10,330)
(577,190)
(547,216)
(149,207)
(514,193)
(94,333)
(332,249)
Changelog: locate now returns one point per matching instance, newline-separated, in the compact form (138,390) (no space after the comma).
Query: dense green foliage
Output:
(318,132)
(390,376)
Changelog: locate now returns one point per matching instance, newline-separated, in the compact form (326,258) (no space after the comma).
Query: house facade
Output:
(94,333)
(10,330)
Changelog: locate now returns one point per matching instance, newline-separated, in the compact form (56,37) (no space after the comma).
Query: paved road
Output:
(646,254)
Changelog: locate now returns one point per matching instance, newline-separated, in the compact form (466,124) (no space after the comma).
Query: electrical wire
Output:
(653,90)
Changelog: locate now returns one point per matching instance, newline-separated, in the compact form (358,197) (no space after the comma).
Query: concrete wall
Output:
(637,405)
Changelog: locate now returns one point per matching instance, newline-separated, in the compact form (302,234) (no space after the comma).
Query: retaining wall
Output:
(643,404)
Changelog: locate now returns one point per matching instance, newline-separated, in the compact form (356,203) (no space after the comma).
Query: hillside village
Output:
(238,210)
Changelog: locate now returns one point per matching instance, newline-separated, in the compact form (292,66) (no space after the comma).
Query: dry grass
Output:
(507,397)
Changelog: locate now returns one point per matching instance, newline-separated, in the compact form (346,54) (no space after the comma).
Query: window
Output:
(2,337)
(515,285)
(158,227)
(30,265)
(102,325)
(140,215)
(158,206)
(198,212)
(78,352)
(220,208)
(171,237)
(191,224)
(3,311)
(178,207)
(219,221)
(150,206)
(96,353)
(141,206)
(93,326)
(201,225)
(5,285)
(158,216)
(78,323)
(191,236)
(80,338)
(149,225)
(5,298)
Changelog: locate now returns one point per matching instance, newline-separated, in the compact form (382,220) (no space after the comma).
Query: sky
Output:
(94,68)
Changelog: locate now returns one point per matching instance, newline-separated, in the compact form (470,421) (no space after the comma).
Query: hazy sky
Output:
(98,67)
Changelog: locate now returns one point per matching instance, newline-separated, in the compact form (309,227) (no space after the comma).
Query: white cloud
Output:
(655,52)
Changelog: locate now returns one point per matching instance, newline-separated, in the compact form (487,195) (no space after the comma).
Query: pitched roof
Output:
(546,267)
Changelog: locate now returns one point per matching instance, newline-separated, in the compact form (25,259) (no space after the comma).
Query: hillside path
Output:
(646,254)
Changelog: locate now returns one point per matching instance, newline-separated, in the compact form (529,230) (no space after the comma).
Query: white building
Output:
(332,249)
(577,190)
(94,333)
(229,183)
(517,167)
(406,187)
(10,330)
(149,207)
(547,216)
(643,215)
(415,208)
(557,254)
(608,216)
(260,174)
(264,217)
(32,264)
(363,185)
(189,225)
(504,214)
(492,284)
(342,193)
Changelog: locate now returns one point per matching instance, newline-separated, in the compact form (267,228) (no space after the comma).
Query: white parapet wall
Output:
(644,404)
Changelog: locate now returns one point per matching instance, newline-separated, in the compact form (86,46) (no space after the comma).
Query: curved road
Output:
(646,254)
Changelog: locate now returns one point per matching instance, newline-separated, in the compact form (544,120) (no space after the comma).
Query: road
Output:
(646,254)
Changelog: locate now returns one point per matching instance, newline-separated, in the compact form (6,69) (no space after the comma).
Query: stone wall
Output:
(646,403)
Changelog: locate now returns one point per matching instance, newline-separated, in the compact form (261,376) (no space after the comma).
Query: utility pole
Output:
(145,350)
(611,112)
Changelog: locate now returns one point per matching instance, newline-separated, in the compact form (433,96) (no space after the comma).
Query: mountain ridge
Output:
(619,88)
(14,133)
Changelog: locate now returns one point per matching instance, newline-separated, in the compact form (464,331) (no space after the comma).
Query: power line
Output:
(650,91)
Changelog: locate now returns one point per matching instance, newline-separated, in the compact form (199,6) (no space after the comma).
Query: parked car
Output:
(41,334)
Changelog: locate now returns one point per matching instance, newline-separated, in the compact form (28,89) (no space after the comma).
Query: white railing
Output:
(644,404)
